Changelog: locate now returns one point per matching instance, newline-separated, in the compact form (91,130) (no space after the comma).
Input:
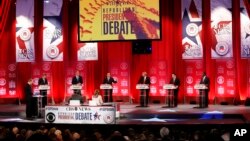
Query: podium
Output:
(143,94)
(107,92)
(43,91)
(44,87)
(202,95)
(39,103)
(170,96)
(76,88)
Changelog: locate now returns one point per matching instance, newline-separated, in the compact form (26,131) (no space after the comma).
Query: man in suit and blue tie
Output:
(43,81)
(77,80)
(108,92)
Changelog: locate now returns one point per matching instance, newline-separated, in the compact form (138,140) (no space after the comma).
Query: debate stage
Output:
(130,114)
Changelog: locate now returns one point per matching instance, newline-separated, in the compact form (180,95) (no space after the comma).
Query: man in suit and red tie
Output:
(205,80)
(176,82)
(108,92)
(43,81)
(144,79)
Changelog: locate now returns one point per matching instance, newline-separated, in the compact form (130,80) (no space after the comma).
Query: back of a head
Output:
(164,131)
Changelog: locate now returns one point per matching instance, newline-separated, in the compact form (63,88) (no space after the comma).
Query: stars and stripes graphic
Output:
(192,26)
(221,27)
(245,28)
(25,51)
(52,32)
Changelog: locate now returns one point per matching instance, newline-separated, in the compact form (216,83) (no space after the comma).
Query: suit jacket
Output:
(205,81)
(176,82)
(28,92)
(42,82)
(141,80)
(76,81)
(110,81)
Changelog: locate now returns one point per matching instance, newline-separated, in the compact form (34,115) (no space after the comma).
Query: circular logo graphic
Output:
(50,117)
(12,67)
(25,34)
(69,79)
(192,29)
(80,66)
(198,65)
(230,64)
(52,51)
(153,80)
(220,80)
(35,81)
(189,79)
(222,48)
(46,66)
(2,81)
(162,65)
(153,70)
(108,118)
(124,66)
(247,28)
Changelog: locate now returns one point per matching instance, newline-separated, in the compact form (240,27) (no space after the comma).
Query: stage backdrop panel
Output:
(25,51)
(245,28)
(191,29)
(52,32)
(192,77)
(225,83)
(158,76)
(118,20)
(221,25)
(8,79)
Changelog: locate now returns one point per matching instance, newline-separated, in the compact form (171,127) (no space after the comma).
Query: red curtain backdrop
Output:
(168,49)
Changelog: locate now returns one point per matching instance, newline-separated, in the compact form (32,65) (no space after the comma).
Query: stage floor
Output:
(153,115)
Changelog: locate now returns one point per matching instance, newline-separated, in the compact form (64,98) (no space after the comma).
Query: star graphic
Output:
(185,22)
(57,22)
(242,11)
(96,116)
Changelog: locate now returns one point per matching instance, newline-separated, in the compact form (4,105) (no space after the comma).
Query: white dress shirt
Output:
(97,100)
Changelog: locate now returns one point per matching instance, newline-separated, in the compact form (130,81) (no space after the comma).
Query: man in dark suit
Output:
(176,82)
(28,97)
(108,93)
(77,80)
(43,81)
(205,80)
(144,79)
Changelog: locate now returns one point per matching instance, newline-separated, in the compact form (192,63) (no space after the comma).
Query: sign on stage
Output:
(80,114)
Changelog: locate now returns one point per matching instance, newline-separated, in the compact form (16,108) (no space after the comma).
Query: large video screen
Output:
(110,20)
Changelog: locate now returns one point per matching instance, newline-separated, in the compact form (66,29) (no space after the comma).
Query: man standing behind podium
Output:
(176,82)
(108,92)
(43,81)
(205,80)
(144,79)
(77,80)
